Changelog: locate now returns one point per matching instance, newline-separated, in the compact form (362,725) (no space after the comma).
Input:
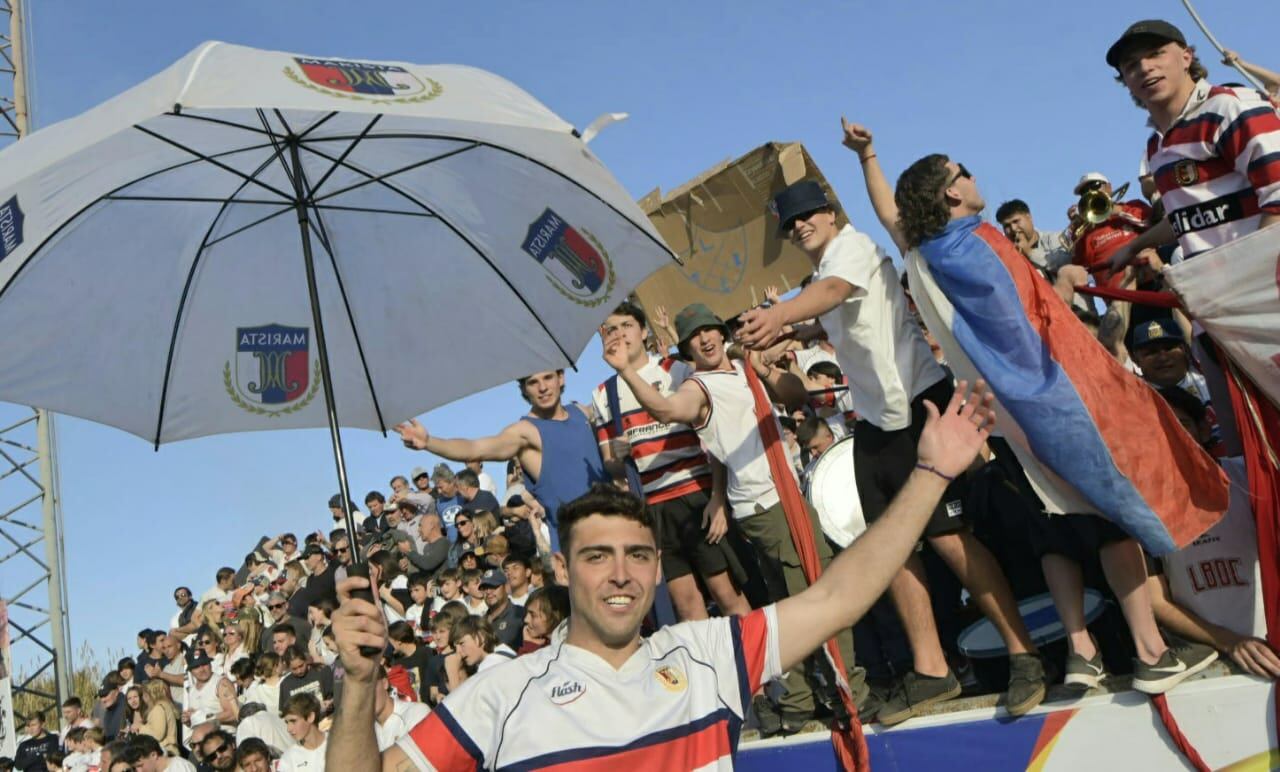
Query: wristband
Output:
(935,470)
(865,158)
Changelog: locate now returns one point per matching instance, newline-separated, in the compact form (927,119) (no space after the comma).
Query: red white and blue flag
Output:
(1092,437)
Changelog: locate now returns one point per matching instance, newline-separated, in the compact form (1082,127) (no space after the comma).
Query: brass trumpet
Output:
(1096,207)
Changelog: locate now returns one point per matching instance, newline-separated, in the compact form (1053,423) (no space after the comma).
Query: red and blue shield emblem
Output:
(272,364)
(368,78)
(571,259)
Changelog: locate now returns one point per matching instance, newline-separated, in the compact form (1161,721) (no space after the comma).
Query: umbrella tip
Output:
(177,108)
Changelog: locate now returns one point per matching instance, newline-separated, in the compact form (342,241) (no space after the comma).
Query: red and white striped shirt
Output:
(676,705)
(1218,166)
(669,457)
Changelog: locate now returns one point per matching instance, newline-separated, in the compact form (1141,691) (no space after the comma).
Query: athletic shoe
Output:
(1026,683)
(1084,674)
(1176,665)
(770,723)
(794,722)
(915,693)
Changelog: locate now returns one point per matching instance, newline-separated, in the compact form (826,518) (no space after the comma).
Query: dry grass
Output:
(86,678)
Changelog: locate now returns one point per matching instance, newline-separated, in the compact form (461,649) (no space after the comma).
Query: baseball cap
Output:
(1088,179)
(311,550)
(441,472)
(417,472)
(1147,28)
(493,578)
(1157,331)
(804,196)
(197,659)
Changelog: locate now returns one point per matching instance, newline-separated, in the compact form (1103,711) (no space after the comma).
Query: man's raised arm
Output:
(686,406)
(858,139)
(500,447)
(861,573)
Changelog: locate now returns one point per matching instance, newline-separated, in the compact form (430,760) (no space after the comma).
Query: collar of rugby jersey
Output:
(1198,95)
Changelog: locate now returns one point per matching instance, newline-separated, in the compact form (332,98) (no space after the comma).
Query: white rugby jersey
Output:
(677,705)
(1218,575)
(1218,166)
(669,457)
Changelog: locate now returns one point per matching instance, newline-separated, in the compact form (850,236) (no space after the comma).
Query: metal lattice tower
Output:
(31,545)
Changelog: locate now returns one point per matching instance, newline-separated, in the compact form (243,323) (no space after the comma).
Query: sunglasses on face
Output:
(342,550)
(274,606)
(221,749)
(461,523)
(962,173)
(790,224)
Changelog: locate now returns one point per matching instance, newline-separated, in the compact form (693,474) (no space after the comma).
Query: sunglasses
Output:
(962,173)
(342,550)
(461,522)
(221,749)
(274,606)
(790,224)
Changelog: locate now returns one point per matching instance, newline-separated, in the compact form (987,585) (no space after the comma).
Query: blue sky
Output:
(1018,91)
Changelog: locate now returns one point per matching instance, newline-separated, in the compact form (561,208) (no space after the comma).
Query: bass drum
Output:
(834,493)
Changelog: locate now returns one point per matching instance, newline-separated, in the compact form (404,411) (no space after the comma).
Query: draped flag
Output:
(1092,437)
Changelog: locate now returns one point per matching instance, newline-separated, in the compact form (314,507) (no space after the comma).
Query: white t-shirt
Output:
(1218,575)
(268,727)
(202,701)
(177,764)
(404,716)
(500,654)
(487,483)
(521,600)
(677,703)
(262,693)
(730,435)
(300,759)
(878,344)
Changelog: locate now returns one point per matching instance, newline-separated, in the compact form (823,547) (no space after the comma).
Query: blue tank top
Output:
(570,462)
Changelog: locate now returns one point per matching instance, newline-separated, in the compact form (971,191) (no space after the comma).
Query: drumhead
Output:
(833,492)
(980,640)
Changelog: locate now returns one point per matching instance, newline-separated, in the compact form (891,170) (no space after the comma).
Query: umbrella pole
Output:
(304,227)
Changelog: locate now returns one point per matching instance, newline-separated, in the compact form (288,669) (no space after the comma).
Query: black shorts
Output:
(683,541)
(883,460)
(1077,537)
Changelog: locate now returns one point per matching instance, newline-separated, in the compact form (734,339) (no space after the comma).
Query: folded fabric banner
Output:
(1092,437)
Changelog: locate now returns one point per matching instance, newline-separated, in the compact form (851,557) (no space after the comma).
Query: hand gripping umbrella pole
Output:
(358,566)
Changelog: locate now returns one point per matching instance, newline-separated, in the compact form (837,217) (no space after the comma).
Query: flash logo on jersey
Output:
(567,692)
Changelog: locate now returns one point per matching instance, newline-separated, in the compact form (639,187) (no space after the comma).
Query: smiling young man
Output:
(600,695)
(857,297)
(554,443)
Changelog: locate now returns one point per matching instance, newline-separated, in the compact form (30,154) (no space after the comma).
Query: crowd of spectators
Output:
(246,674)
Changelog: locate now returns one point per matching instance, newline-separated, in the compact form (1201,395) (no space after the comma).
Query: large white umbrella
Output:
(258,240)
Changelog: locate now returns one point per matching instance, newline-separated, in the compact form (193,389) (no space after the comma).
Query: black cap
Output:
(800,198)
(110,682)
(312,549)
(1147,28)
(197,659)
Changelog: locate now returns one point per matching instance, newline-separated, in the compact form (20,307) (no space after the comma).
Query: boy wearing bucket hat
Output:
(718,402)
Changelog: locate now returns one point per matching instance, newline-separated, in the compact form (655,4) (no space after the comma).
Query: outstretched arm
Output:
(500,447)
(686,406)
(861,572)
(762,324)
(858,139)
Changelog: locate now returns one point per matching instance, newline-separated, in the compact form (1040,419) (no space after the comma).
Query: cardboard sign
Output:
(722,227)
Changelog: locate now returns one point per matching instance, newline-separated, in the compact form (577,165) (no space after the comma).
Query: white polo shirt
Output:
(677,704)
(878,344)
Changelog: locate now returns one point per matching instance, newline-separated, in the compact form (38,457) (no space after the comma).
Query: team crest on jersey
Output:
(567,692)
(365,81)
(272,371)
(577,264)
(1186,173)
(672,679)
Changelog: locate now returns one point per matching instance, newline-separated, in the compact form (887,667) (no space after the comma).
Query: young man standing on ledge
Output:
(600,693)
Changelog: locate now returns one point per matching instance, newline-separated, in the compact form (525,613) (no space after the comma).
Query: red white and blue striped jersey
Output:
(1218,166)
(676,705)
(669,457)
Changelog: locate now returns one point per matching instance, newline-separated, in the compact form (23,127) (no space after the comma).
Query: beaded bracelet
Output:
(935,470)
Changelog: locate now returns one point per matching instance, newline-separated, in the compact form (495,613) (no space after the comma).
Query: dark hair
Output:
(55,758)
(401,632)
(374,496)
(602,499)
(400,477)
(115,748)
(1010,208)
(284,627)
(302,705)
(267,663)
(326,603)
(294,652)
(243,667)
(252,746)
(554,601)
(1196,70)
(922,206)
(627,308)
(127,664)
(36,715)
(387,563)
(1180,399)
(476,626)
(807,430)
(521,559)
(221,734)
(829,369)
(467,477)
(419,580)
(142,745)
(225,572)
(520,382)
(72,702)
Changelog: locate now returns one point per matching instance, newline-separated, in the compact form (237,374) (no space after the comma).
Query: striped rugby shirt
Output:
(1218,166)
(676,705)
(669,457)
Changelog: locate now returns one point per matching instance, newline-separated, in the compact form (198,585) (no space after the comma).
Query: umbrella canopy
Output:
(152,268)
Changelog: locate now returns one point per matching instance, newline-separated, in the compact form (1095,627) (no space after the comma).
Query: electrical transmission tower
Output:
(31,548)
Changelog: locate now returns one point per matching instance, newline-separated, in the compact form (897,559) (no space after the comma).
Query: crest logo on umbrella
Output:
(272,375)
(10,227)
(577,264)
(368,81)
